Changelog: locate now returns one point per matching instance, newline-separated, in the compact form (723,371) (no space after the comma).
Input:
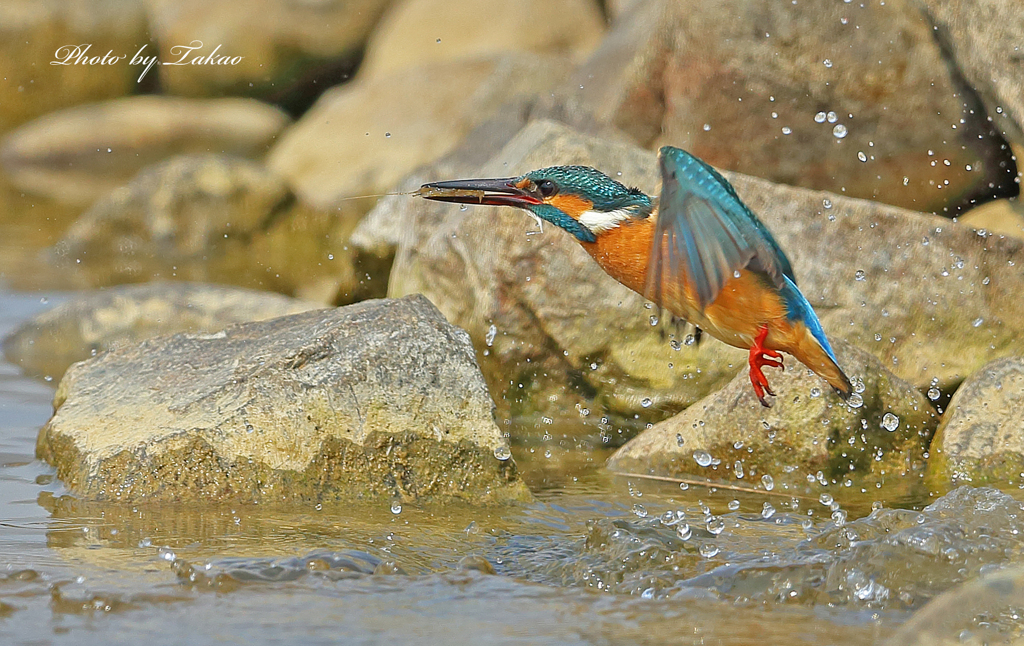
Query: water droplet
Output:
(827,62)
(502,452)
(736,274)
(827,203)
(640,510)
(654,320)
(646,402)
(715,525)
(44,300)
(675,345)
(786,130)
(679,439)
(648,593)
(825,499)
(832,117)
(683,531)
(689,339)
(767,511)
(839,131)
(702,458)
(708,550)
(768,482)
(683,486)
(819,118)
(839,517)
(734,505)
(861,156)
(439,40)
(396,507)
(489,337)
(890,422)
(249,428)
(737,468)
(166,554)
(855,401)
(815,392)
(977,322)
(388,135)
(933,393)
(859,275)
(707,126)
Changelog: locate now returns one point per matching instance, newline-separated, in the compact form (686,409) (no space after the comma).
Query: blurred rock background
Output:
(255,175)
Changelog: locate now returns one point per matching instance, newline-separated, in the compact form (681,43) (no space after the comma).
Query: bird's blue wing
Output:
(705,233)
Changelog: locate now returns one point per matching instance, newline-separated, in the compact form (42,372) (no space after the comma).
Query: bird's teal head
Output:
(583,201)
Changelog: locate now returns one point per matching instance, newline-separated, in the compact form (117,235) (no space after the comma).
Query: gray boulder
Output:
(78,154)
(121,316)
(981,438)
(933,299)
(378,400)
(984,38)
(809,437)
(748,86)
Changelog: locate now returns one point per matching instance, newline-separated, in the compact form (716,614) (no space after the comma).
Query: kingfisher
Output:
(697,251)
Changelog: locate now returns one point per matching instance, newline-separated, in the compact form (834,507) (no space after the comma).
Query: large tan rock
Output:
(984,38)
(934,300)
(282,43)
(364,136)
(79,154)
(415,32)
(33,33)
(749,86)
(378,400)
(94,322)
(981,438)
(807,439)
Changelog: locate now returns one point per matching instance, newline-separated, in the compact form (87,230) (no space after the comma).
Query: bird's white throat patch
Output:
(600,221)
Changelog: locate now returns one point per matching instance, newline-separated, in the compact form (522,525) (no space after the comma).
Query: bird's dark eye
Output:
(547,188)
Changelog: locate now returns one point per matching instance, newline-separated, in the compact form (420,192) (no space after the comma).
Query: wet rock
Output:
(984,39)
(172,210)
(122,316)
(749,86)
(366,128)
(285,45)
(416,32)
(934,300)
(980,439)
(380,400)
(32,33)
(985,610)
(808,436)
(79,154)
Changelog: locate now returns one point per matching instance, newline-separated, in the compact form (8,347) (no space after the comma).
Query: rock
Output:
(984,38)
(952,618)
(285,45)
(380,400)
(932,299)
(748,87)
(416,32)
(78,154)
(172,210)
(33,33)
(1001,217)
(807,435)
(122,316)
(367,129)
(979,440)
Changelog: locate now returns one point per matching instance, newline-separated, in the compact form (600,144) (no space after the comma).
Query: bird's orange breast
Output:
(744,304)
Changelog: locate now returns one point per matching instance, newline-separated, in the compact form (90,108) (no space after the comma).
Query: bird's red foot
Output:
(759,359)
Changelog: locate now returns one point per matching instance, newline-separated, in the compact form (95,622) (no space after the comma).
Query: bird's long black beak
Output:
(498,192)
